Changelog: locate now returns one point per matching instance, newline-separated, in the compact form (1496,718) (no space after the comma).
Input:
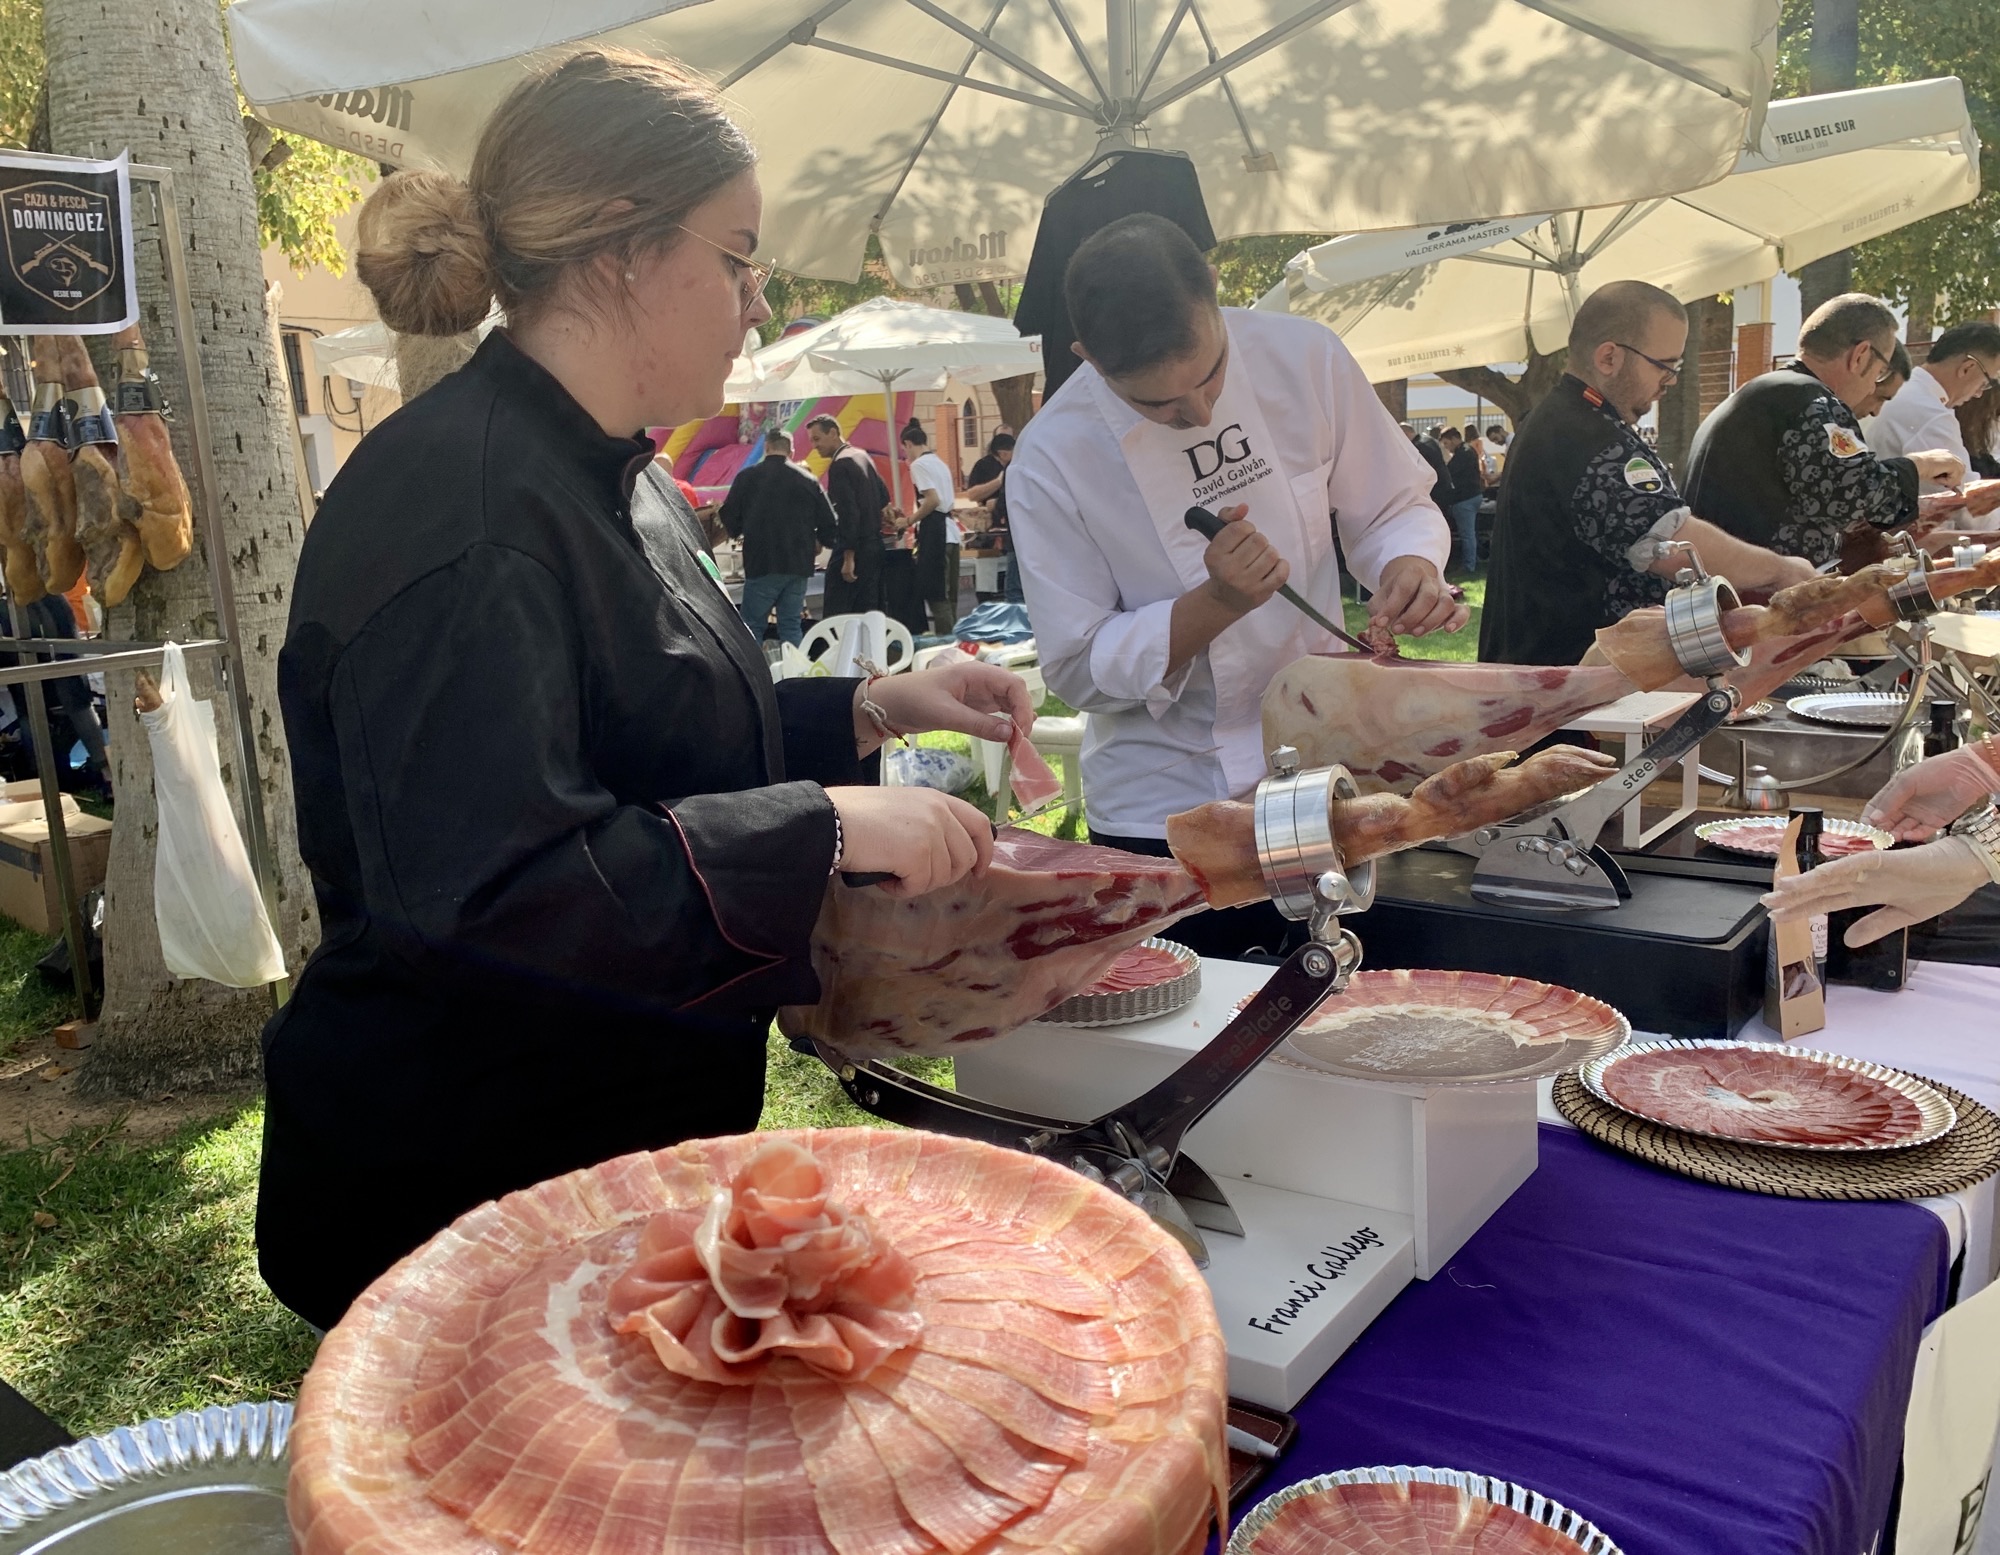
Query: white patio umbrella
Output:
(365,353)
(943,124)
(1828,172)
(881,346)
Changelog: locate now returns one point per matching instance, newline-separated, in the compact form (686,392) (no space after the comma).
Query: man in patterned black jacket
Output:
(1782,462)
(1584,500)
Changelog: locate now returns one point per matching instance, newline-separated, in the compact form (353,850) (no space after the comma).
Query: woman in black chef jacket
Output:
(568,840)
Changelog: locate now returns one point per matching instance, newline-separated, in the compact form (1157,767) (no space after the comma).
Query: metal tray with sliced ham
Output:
(1153,978)
(1762,1093)
(1452,1028)
(1760,836)
(1379,1510)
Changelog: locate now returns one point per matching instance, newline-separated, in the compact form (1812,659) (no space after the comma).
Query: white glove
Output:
(1920,801)
(1909,886)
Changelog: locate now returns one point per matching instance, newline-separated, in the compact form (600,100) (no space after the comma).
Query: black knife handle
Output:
(1203,522)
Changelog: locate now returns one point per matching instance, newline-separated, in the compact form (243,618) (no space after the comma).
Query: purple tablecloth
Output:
(1698,1371)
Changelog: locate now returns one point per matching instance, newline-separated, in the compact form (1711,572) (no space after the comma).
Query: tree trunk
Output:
(1516,396)
(1683,406)
(1836,56)
(154,77)
(1395,397)
(1014,396)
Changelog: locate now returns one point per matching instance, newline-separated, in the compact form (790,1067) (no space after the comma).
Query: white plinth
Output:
(1422,1166)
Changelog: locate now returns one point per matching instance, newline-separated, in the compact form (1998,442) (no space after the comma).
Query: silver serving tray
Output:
(1530,1503)
(208,1482)
(1137,1004)
(1714,833)
(1939,1116)
(1852,709)
(1752,713)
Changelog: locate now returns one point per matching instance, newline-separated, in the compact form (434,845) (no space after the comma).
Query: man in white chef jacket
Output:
(1166,639)
(1964,362)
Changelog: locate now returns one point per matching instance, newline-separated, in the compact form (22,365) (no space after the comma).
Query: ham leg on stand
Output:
(45,472)
(109,540)
(1218,842)
(1394,722)
(165,515)
(24,579)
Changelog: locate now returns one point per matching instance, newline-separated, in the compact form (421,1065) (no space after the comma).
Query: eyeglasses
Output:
(757,272)
(1671,369)
(1888,367)
(1991,383)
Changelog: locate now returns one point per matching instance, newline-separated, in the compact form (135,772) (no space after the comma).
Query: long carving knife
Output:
(1203,522)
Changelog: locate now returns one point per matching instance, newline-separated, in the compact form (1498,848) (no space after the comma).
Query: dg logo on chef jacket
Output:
(1223,465)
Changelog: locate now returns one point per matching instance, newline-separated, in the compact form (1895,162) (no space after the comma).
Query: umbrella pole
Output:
(889,421)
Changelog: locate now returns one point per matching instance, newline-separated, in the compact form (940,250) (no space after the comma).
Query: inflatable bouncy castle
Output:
(708,454)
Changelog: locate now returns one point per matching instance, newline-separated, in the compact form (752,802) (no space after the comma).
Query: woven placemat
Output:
(1968,1154)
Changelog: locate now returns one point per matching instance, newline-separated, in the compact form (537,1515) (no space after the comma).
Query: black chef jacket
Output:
(782,517)
(1580,491)
(1781,463)
(556,817)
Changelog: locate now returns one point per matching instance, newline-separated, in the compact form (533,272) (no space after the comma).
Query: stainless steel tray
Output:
(1716,833)
(1432,1029)
(1938,1114)
(1750,714)
(1855,709)
(208,1482)
(1583,1535)
(1137,1004)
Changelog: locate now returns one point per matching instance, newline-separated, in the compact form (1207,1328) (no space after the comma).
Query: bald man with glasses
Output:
(1783,462)
(1586,502)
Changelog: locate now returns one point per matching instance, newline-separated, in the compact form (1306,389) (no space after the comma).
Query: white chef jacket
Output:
(929,473)
(1917,420)
(1095,499)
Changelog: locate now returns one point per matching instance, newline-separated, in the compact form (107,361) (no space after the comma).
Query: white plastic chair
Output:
(873,636)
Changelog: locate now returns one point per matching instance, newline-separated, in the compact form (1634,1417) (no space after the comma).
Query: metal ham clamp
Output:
(1550,860)
(1135,1149)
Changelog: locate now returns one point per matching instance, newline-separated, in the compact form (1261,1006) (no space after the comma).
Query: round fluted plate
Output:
(1584,1537)
(1936,1115)
(1760,836)
(1452,1028)
(1854,709)
(208,1482)
(1121,1007)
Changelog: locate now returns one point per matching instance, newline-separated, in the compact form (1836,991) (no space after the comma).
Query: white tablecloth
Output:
(1944,1025)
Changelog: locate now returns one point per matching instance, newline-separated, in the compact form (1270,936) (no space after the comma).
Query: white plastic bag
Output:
(205,896)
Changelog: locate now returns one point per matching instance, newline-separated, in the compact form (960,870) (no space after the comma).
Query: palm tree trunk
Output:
(1836,55)
(153,76)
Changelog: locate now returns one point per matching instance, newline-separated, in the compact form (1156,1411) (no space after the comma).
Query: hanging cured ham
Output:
(1218,841)
(839,1342)
(164,516)
(103,528)
(45,472)
(24,578)
(1394,722)
(984,955)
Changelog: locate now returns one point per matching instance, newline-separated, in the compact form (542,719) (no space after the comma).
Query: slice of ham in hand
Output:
(1217,843)
(1034,781)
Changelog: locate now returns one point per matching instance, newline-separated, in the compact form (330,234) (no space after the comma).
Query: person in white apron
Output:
(1168,640)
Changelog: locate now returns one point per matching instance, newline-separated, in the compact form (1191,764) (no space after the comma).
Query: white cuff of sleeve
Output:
(1643,552)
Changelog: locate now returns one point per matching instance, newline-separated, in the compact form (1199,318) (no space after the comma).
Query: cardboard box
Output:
(28,891)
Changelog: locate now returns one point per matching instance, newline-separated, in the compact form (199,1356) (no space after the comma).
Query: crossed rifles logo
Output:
(68,269)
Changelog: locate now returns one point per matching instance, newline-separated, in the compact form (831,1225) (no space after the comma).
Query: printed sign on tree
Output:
(66,232)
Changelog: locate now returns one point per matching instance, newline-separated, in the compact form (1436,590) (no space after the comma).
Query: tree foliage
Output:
(302,186)
(1246,268)
(1953,257)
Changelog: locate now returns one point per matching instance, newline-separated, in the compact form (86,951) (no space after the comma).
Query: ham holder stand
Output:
(1296,1271)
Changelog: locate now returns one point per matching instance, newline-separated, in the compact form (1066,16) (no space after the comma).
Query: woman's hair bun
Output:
(424,255)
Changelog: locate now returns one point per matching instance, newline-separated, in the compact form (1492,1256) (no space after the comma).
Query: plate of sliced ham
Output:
(1763,1093)
(1452,1028)
(1153,978)
(840,1340)
(1373,1511)
(1760,836)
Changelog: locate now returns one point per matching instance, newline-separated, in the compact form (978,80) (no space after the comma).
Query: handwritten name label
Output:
(1323,1270)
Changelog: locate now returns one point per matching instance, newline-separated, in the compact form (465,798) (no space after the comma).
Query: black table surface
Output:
(25,1432)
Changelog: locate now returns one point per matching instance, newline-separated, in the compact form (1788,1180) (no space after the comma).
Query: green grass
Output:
(28,1005)
(1461,645)
(128,1281)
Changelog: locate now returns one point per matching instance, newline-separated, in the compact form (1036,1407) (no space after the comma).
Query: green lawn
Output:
(28,1005)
